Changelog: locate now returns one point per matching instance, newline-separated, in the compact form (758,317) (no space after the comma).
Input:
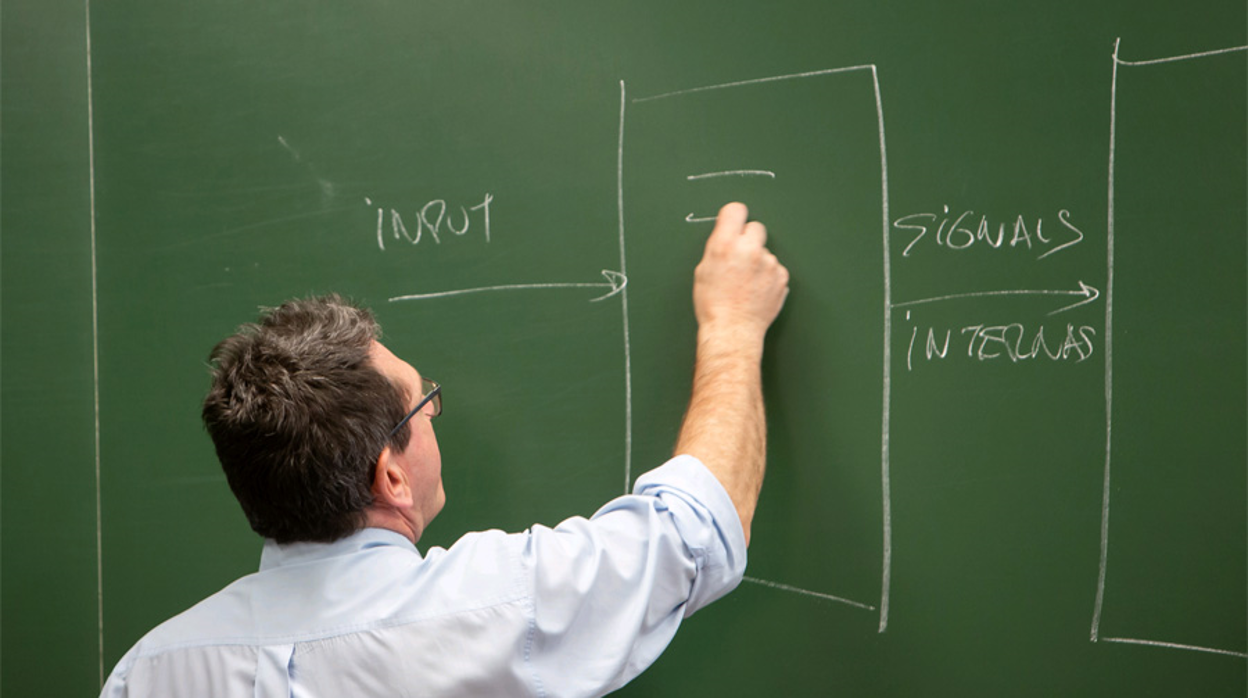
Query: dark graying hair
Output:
(299,416)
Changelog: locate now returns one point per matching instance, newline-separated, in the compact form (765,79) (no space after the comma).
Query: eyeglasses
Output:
(433,393)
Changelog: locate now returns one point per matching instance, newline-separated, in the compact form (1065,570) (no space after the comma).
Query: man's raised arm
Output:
(738,290)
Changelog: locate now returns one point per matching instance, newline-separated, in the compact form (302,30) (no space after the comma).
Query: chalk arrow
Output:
(1088,292)
(614,281)
(693,219)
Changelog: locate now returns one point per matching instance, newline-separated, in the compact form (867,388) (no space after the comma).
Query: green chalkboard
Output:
(1007,399)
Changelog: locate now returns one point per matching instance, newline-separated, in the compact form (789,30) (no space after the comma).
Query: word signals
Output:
(952,232)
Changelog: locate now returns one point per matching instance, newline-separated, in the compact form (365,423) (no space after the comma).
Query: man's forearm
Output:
(738,289)
(725,426)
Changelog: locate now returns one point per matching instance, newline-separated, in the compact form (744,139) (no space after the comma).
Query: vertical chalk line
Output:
(628,361)
(885,486)
(95,357)
(1109,352)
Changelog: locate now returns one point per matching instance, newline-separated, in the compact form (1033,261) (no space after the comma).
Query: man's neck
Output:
(392,520)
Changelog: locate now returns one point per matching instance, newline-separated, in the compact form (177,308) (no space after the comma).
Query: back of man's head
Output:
(299,417)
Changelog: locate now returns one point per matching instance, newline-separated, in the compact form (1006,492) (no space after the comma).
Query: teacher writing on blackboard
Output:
(327,441)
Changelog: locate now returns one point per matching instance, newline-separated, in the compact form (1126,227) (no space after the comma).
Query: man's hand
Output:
(738,289)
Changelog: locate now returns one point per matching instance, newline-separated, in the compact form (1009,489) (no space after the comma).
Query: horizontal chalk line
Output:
(757,81)
(1173,645)
(1188,57)
(486,289)
(806,592)
(733,173)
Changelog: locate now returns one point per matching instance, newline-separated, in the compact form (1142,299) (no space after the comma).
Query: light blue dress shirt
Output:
(577,610)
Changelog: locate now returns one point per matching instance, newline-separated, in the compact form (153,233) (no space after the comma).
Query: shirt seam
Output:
(530,638)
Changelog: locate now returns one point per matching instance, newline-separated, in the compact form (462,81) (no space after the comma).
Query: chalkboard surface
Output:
(1008,399)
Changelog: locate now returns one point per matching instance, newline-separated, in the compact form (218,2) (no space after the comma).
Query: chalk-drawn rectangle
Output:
(1173,568)
(795,149)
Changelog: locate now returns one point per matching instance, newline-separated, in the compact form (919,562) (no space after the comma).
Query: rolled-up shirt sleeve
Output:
(609,592)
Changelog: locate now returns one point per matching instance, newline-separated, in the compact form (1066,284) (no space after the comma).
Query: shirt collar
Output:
(285,554)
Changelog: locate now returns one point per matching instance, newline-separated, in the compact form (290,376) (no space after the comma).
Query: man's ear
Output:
(390,483)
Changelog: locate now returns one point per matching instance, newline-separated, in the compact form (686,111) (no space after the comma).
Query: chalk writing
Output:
(962,231)
(430,219)
(1014,342)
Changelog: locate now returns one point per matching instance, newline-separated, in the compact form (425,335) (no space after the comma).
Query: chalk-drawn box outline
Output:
(1109,362)
(887,308)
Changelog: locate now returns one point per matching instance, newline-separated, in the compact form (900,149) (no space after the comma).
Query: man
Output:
(326,439)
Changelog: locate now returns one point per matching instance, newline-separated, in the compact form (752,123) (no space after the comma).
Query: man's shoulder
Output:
(227,608)
(302,602)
